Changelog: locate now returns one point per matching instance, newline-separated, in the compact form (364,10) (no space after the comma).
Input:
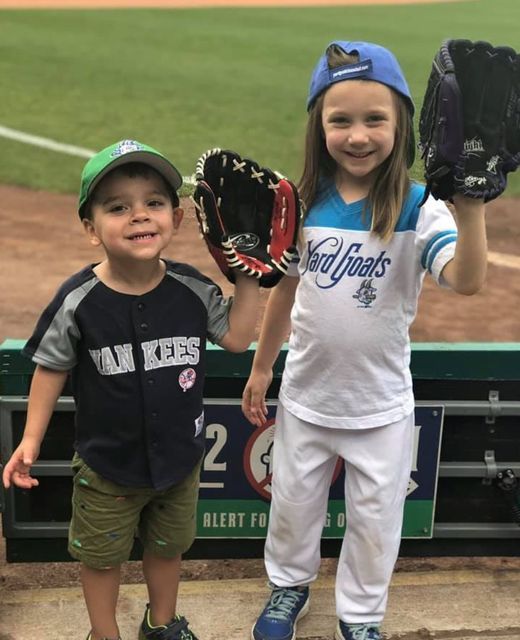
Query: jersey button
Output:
(144,326)
(150,381)
(141,306)
(154,414)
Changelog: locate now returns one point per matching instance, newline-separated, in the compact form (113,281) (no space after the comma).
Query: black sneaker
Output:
(176,629)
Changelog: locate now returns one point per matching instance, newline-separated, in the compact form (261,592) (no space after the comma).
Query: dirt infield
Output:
(43,243)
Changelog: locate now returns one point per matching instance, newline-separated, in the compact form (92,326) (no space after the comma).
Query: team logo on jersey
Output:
(187,378)
(126,146)
(330,260)
(366,293)
(244,241)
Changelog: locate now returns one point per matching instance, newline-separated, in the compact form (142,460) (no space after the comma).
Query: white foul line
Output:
(45,143)
(53,145)
(504,260)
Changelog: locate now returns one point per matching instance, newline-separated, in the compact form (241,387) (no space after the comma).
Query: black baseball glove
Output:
(248,215)
(469,124)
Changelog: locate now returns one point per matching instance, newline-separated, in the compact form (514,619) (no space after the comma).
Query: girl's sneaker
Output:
(176,629)
(284,608)
(367,631)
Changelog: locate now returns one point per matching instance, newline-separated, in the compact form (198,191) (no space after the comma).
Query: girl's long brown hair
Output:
(389,190)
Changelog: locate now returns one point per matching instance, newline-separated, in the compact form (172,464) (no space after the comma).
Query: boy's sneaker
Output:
(367,631)
(284,608)
(176,629)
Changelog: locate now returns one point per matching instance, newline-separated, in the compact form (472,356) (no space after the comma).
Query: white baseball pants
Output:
(377,465)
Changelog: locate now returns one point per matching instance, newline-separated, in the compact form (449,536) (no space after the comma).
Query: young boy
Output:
(131,331)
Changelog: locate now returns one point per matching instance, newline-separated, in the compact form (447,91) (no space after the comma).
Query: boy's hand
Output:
(17,469)
(253,397)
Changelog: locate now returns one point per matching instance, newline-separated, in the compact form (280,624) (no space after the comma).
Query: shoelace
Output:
(282,603)
(364,631)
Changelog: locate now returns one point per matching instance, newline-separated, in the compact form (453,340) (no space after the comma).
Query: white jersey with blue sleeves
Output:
(349,349)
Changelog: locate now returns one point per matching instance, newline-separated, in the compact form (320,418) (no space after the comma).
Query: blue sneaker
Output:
(278,619)
(367,631)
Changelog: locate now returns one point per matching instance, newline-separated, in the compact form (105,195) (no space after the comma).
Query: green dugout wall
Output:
(467,435)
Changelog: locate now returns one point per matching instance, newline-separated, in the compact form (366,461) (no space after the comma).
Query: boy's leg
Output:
(378,466)
(162,580)
(167,529)
(302,465)
(101,535)
(101,590)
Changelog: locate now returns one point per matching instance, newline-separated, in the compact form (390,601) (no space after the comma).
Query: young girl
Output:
(346,391)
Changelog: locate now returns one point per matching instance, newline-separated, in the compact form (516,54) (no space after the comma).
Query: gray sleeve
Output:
(216,305)
(53,343)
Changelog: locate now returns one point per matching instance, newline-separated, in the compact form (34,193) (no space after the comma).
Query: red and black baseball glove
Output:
(248,215)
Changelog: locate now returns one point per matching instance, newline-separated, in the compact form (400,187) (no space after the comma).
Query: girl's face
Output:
(359,119)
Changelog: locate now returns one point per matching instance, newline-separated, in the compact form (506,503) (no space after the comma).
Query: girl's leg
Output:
(302,466)
(162,580)
(101,590)
(378,466)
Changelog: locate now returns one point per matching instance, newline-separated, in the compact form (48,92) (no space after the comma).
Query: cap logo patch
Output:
(126,146)
(356,69)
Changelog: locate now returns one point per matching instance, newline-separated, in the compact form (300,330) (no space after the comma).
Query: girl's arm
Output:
(46,388)
(466,272)
(242,315)
(275,328)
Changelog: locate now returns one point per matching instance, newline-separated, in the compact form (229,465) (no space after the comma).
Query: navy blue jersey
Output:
(137,366)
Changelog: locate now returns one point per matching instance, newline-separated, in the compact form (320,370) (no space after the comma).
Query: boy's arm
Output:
(466,272)
(243,314)
(46,387)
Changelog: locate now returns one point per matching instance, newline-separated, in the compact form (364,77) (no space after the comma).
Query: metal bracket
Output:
(494,407)
(491,467)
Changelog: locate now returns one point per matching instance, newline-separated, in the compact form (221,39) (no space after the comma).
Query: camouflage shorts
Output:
(106,517)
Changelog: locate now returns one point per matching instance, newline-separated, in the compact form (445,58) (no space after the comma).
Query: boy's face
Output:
(132,217)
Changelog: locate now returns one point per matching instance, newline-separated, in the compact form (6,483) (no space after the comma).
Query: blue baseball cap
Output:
(375,63)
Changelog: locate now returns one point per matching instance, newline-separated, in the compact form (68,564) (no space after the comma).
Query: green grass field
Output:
(188,80)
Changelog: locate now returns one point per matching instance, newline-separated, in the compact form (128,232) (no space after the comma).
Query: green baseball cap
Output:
(118,154)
